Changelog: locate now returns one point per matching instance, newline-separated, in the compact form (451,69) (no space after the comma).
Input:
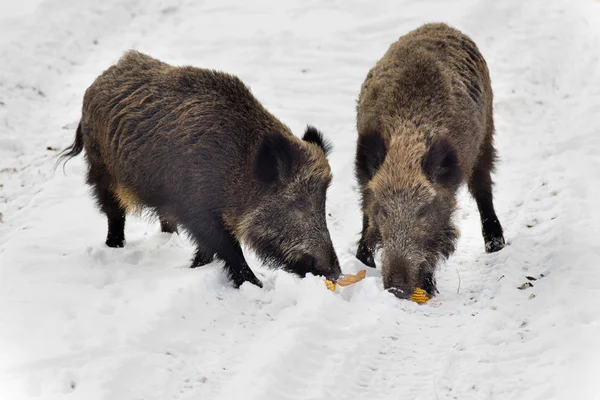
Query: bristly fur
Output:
(425,126)
(312,135)
(196,148)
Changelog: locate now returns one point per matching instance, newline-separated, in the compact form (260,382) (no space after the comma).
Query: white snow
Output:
(81,321)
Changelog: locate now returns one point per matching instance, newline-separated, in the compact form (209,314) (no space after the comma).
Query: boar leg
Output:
(214,238)
(202,257)
(107,201)
(116,229)
(428,281)
(366,245)
(480,187)
(235,264)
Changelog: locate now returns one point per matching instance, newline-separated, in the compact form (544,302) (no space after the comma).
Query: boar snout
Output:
(328,266)
(334,270)
(401,276)
(402,293)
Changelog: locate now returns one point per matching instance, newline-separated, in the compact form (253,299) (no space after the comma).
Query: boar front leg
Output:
(235,264)
(480,187)
(214,238)
(367,244)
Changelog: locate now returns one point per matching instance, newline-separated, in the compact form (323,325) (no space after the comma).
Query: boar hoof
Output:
(365,256)
(167,226)
(116,242)
(201,259)
(494,245)
(429,285)
(238,280)
(168,229)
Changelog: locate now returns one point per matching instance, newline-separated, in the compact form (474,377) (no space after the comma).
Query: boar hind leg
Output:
(109,205)
(480,187)
(366,246)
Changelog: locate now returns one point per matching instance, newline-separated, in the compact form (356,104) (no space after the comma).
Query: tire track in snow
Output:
(238,344)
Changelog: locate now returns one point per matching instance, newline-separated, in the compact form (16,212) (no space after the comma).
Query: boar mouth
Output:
(401,293)
(405,293)
(426,281)
(308,264)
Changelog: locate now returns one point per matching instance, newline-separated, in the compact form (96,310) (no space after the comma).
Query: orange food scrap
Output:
(348,279)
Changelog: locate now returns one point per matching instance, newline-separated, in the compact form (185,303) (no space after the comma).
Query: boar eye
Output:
(422,212)
(381,211)
(300,205)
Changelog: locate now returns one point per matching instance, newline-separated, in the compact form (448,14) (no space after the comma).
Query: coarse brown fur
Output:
(197,148)
(425,126)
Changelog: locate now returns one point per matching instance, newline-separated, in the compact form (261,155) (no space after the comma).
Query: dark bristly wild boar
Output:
(425,126)
(195,147)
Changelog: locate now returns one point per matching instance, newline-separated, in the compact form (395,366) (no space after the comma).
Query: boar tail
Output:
(73,150)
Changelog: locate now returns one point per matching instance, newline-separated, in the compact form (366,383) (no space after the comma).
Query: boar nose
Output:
(333,276)
(400,276)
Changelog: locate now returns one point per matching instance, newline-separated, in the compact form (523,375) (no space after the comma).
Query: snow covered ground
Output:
(79,320)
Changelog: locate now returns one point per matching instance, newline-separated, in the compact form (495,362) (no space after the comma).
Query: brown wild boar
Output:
(425,126)
(195,147)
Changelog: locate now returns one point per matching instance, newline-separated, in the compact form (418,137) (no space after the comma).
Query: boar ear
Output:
(312,135)
(440,163)
(370,153)
(274,158)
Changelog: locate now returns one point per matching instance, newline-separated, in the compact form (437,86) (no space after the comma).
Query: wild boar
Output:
(425,126)
(195,147)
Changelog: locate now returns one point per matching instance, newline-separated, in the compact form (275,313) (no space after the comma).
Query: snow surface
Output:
(79,320)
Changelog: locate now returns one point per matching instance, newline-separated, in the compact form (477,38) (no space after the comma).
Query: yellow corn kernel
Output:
(330,285)
(420,296)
